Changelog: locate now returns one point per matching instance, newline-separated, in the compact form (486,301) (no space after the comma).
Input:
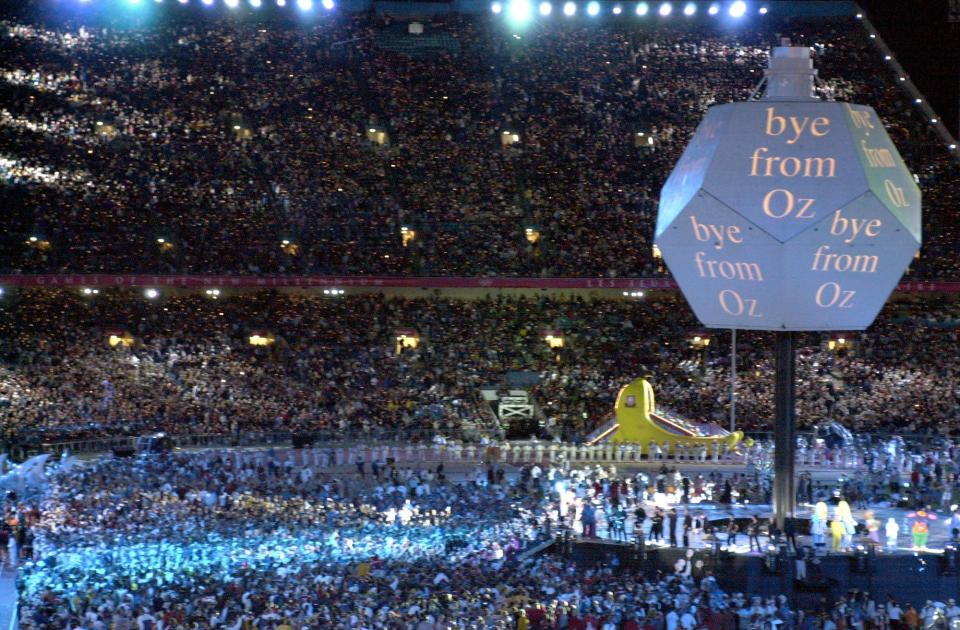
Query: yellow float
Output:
(639,421)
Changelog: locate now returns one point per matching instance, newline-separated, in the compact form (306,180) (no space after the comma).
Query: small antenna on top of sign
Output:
(790,75)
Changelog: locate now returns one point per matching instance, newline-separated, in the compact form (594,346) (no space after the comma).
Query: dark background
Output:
(926,45)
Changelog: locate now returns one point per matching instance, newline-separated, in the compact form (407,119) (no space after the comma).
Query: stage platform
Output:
(909,575)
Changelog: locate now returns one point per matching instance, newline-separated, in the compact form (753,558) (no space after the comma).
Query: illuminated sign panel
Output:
(789,216)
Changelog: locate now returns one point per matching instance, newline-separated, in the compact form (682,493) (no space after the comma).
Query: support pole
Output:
(784,439)
(733,379)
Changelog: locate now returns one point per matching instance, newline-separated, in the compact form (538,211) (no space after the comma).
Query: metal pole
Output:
(733,379)
(784,440)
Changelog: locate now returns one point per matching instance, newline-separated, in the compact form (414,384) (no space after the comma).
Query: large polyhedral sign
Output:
(789,216)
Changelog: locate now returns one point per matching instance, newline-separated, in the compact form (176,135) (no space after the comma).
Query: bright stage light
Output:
(713,10)
(642,8)
(256,4)
(207,2)
(617,10)
(569,8)
(231,3)
(738,8)
(496,7)
(327,4)
(545,8)
(763,10)
(690,9)
(519,10)
(305,5)
(593,8)
(665,9)
(134,1)
(281,3)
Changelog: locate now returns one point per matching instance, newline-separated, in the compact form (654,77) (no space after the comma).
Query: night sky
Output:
(926,45)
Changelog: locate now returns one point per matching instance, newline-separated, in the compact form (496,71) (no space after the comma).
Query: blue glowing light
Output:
(714,9)
(665,9)
(327,4)
(232,3)
(545,8)
(305,5)
(689,9)
(519,10)
(256,4)
(496,7)
(593,8)
(738,9)
(617,10)
(569,8)
(642,8)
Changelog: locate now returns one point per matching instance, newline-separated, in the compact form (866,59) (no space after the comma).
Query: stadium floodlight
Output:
(233,4)
(496,7)
(714,9)
(617,10)
(593,7)
(738,9)
(545,8)
(134,1)
(569,8)
(666,9)
(256,4)
(763,10)
(281,3)
(689,9)
(183,1)
(519,10)
(151,294)
(327,4)
(305,5)
(208,3)
(642,8)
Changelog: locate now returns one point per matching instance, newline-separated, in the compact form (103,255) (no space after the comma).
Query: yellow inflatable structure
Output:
(639,421)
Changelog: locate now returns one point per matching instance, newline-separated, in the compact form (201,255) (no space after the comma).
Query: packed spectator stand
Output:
(335,365)
(192,143)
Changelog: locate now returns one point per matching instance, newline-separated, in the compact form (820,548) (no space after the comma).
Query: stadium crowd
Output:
(205,145)
(255,540)
(334,365)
